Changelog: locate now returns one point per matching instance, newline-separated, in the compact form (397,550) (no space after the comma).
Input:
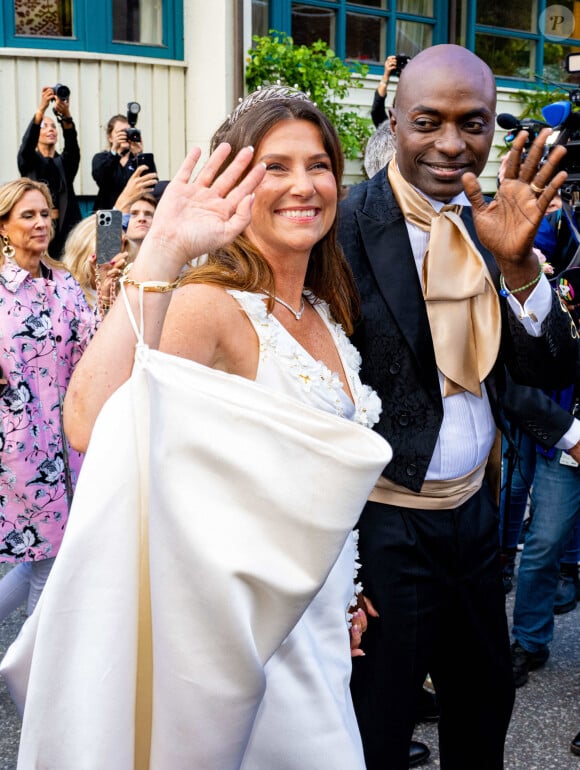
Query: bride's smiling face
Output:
(295,204)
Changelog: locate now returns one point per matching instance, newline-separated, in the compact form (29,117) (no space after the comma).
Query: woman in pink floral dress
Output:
(45,324)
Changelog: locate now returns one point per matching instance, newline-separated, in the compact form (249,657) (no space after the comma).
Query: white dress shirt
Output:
(468,429)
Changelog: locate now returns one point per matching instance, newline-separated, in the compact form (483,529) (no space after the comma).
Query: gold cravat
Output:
(462,303)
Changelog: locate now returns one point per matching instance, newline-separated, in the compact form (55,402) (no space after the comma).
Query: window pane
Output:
(555,63)
(260,17)
(499,13)
(365,38)
(420,7)
(51,18)
(312,24)
(412,37)
(506,56)
(370,3)
(138,21)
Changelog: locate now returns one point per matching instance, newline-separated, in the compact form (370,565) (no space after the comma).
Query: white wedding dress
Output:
(195,618)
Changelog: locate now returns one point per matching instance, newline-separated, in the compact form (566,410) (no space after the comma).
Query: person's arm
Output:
(542,418)
(141,181)
(574,452)
(71,154)
(27,158)
(104,165)
(507,225)
(538,415)
(192,218)
(378,111)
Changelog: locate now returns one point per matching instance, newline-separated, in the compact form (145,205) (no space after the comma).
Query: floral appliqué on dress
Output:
(313,376)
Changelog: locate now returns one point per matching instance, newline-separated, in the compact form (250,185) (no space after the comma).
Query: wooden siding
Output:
(101,86)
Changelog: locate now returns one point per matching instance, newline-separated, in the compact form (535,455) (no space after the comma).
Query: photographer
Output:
(39,160)
(113,168)
(393,66)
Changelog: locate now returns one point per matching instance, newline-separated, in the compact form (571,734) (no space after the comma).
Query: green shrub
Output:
(316,70)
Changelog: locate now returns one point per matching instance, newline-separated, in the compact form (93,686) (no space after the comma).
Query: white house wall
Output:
(100,87)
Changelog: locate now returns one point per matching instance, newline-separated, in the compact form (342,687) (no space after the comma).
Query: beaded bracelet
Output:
(505,292)
(158,286)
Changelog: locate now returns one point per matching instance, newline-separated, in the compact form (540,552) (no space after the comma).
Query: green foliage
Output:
(535,98)
(316,70)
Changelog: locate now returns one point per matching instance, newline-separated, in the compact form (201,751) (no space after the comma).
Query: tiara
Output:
(264,94)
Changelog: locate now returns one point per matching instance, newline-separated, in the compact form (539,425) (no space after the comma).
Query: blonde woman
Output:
(46,324)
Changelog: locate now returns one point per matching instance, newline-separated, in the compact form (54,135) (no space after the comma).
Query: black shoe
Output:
(575,745)
(508,583)
(566,597)
(418,753)
(427,707)
(508,569)
(523,662)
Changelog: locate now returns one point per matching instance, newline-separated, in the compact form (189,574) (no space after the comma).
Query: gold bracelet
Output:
(158,286)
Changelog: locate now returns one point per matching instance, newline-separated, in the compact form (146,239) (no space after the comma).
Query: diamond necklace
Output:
(296,313)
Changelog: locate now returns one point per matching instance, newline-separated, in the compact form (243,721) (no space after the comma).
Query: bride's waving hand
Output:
(191,219)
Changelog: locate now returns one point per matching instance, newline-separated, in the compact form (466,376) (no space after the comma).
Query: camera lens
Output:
(61,92)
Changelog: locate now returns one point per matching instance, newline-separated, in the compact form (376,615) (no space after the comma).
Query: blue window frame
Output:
(93,25)
(523,42)
(368,30)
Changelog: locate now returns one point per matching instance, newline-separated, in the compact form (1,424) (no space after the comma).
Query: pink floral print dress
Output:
(45,324)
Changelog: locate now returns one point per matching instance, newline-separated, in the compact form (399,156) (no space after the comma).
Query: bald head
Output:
(443,120)
(453,64)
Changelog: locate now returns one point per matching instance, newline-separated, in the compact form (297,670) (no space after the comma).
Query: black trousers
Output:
(435,579)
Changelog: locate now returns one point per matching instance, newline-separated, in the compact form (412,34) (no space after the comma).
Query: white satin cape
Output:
(246,498)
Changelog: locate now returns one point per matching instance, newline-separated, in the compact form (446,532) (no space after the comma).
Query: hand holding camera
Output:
(402,60)
(390,67)
(59,95)
(61,109)
(46,96)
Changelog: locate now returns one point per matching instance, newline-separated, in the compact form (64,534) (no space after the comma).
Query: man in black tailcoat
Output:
(449,297)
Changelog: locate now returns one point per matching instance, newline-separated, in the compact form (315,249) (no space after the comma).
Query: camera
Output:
(133,135)
(514,125)
(402,61)
(61,92)
(133,110)
(564,118)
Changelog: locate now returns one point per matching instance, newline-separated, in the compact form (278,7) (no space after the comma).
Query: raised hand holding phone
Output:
(109,234)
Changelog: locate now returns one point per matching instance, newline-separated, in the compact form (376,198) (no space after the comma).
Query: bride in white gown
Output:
(196,617)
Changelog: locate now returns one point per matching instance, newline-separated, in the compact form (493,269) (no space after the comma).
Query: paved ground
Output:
(546,716)
(547,711)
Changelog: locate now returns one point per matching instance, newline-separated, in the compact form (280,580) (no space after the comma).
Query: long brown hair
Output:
(240,265)
(11,193)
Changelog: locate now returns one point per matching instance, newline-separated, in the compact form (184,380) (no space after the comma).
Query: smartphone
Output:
(109,234)
(147,159)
